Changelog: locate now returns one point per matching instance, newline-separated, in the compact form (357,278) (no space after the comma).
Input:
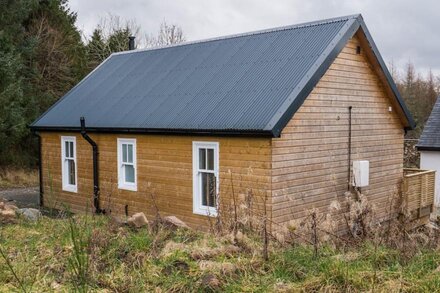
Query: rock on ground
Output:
(10,207)
(7,216)
(7,213)
(173,221)
(138,220)
(30,214)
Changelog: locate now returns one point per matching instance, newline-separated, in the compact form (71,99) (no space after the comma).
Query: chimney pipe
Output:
(131,43)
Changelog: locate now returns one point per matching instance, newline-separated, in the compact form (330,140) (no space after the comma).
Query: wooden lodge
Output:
(295,116)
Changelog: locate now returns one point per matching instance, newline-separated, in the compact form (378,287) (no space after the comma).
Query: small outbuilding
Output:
(292,117)
(429,148)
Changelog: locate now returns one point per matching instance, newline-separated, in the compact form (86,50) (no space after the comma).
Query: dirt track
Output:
(23,197)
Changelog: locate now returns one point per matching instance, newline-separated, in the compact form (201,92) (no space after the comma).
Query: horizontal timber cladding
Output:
(310,159)
(164,172)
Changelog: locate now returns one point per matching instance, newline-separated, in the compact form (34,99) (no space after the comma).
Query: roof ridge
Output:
(251,33)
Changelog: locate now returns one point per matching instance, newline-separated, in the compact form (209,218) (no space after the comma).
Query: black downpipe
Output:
(349,147)
(95,166)
(40,169)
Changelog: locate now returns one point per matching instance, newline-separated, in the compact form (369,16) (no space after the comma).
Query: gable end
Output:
(311,79)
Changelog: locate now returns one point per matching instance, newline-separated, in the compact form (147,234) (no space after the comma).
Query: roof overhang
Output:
(128,130)
(428,148)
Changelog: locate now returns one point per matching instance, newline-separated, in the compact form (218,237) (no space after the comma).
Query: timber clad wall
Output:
(164,169)
(310,159)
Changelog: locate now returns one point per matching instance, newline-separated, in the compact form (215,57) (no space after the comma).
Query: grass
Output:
(120,259)
(10,178)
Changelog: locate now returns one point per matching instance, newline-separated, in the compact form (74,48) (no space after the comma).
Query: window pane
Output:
(66,149)
(71,171)
(129,173)
(208,189)
(130,153)
(71,149)
(124,153)
(202,158)
(210,159)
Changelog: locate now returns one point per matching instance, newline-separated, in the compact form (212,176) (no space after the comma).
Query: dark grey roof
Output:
(248,83)
(430,138)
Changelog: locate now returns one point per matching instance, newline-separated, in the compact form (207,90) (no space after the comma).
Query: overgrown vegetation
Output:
(18,177)
(92,253)
(124,260)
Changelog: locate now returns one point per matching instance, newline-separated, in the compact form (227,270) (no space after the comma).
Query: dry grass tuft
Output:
(18,178)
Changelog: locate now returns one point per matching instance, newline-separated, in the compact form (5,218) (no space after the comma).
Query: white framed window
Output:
(68,163)
(127,164)
(205,177)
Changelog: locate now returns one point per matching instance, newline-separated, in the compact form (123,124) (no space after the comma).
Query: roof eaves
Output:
(428,148)
(174,131)
(312,77)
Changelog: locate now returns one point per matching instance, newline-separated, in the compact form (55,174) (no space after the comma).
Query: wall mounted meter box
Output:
(361,173)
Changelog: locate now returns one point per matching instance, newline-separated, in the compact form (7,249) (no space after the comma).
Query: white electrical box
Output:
(361,173)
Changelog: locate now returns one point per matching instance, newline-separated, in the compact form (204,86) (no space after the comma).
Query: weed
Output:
(79,260)
(24,284)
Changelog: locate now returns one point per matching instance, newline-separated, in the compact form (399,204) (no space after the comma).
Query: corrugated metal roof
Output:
(430,138)
(252,82)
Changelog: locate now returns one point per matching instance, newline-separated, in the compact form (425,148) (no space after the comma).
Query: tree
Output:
(432,89)
(58,59)
(168,34)
(419,94)
(111,35)
(41,57)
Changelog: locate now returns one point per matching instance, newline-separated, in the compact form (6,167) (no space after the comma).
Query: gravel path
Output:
(23,197)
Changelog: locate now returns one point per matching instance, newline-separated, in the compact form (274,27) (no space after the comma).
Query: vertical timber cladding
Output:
(164,171)
(310,159)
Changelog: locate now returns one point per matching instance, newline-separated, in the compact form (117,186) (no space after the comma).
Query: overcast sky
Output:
(403,29)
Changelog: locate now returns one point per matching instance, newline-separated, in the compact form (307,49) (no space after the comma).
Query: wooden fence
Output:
(418,190)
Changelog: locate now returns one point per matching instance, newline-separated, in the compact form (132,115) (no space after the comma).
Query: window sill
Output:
(127,187)
(70,188)
(205,211)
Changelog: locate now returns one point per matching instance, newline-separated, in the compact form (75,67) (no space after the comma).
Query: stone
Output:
(2,205)
(7,216)
(175,222)
(138,220)
(30,214)
(10,207)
